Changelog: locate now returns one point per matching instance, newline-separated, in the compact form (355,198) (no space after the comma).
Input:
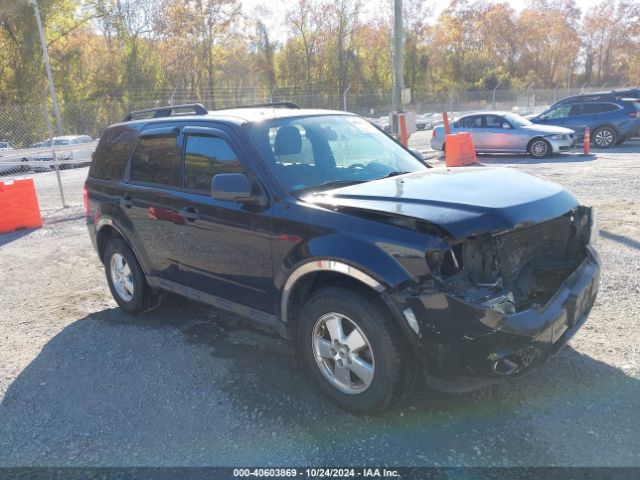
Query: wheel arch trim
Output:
(106,221)
(324,265)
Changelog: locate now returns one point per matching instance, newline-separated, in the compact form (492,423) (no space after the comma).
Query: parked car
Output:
(423,122)
(77,157)
(611,119)
(318,225)
(505,132)
(5,147)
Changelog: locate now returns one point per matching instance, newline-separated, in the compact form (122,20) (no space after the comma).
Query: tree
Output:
(611,33)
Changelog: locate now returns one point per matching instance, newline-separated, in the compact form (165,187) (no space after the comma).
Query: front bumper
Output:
(463,345)
(562,145)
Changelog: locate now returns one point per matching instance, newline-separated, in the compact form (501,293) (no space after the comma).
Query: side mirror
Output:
(416,153)
(232,187)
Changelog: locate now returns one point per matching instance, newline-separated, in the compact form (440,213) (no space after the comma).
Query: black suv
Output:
(320,226)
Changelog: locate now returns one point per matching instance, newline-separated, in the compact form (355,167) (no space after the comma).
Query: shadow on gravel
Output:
(188,385)
(9,237)
(616,237)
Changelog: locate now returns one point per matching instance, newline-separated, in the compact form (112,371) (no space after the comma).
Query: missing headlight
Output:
(447,262)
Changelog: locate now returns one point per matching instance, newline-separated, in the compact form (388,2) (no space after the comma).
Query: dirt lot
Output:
(81,383)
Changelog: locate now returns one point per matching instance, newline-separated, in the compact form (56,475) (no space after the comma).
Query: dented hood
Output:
(463,202)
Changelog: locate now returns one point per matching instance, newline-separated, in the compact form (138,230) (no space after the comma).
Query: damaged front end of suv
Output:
(498,304)
(501,265)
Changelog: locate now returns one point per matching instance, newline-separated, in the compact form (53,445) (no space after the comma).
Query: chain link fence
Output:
(29,146)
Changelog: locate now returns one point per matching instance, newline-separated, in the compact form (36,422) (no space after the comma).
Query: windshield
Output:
(328,151)
(517,119)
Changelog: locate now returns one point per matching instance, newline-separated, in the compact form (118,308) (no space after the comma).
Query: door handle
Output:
(190,213)
(126,201)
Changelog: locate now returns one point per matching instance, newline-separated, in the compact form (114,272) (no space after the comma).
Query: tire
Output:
(126,281)
(539,148)
(604,137)
(25,168)
(383,375)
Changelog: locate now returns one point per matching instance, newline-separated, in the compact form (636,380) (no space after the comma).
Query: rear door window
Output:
(471,122)
(156,160)
(494,121)
(592,108)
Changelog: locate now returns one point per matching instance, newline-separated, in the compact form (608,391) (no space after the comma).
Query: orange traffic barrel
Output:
(459,150)
(19,206)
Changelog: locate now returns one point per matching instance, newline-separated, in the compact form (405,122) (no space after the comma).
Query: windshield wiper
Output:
(393,174)
(327,185)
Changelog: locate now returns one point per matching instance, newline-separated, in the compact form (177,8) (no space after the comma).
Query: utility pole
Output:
(45,55)
(398,57)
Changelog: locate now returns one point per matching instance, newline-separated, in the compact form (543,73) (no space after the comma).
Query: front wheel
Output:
(354,352)
(540,148)
(604,137)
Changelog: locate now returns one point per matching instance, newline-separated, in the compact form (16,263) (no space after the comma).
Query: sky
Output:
(273,12)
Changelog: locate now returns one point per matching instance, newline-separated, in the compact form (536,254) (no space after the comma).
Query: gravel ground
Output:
(83,384)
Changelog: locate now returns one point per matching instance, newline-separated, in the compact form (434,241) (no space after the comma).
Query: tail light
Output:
(634,114)
(85,200)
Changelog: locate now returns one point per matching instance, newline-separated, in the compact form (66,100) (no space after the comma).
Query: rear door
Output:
(474,125)
(153,175)
(223,247)
(582,115)
(499,135)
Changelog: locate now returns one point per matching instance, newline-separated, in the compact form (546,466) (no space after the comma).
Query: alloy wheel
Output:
(343,353)
(121,277)
(603,137)
(539,148)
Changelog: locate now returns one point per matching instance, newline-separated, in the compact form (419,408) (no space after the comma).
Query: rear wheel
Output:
(539,148)
(24,168)
(126,279)
(604,137)
(353,350)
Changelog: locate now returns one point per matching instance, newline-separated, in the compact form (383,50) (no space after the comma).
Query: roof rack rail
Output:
(268,104)
(168,111)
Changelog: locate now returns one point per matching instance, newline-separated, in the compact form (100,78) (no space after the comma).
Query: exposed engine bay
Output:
(515,270)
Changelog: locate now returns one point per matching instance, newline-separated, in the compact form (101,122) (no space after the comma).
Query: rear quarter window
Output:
(610,107)
(112,153)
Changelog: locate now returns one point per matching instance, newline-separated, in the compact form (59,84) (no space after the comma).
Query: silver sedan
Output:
(505,132)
